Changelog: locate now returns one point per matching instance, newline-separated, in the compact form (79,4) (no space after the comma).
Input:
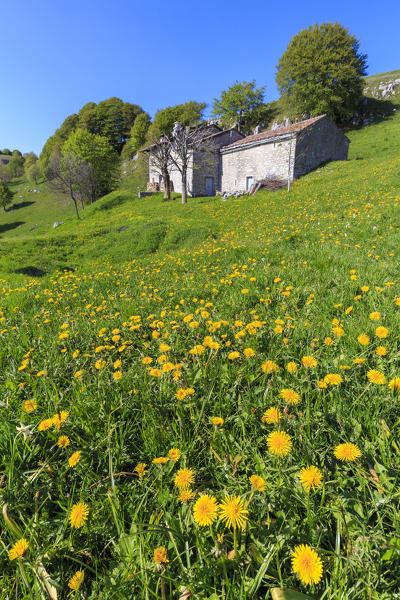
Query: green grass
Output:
(286,275)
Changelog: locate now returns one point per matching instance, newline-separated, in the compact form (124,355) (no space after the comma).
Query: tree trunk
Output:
(184,190)
(75,204)
(167,185)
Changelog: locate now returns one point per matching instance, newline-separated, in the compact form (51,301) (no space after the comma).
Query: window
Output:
(249,182)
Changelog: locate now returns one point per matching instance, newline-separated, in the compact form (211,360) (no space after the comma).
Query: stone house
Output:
(204,175)
(233,162)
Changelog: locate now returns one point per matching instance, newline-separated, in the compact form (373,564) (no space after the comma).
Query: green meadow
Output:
(156,357)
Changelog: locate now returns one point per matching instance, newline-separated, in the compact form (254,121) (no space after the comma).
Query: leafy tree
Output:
(164,120)
(137,135)
(6,195)
(321,71)
(242,105)
(6,152)
(5,173)
(32,171)
(71,175)
(97,152)
(16,165)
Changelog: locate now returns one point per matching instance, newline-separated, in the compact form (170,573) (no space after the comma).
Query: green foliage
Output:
(322,71)
(137,136)
(16,165)
(241,105)
(6,152)
(187,114)
(6,195)
(96,151)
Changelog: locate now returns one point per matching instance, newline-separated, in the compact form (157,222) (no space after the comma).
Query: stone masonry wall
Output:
(264,160)
(317,144)
(175,177)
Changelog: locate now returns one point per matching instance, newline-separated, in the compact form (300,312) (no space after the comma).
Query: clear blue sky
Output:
(57,55)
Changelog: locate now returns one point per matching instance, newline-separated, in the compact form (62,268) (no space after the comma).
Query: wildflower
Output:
(117,364)
(60,418)
(394,384)
(333,379)
(233,511)
(271,415)
(78,374)
(347,452)
(309,361)
(310,477)
(381,332)
(76,581)
(161,460)
(164,347)
(290,396)
(258,483)
(217,421)
(233,355)
(29,406)
(248,352)
(363,339)
(79,514)
(269,366)
(117,375)
(381,351)
(160,556)
(197,350)
(376,377)
(63,441)
(322,384)
(18,549)
(338,331)
(279,443)
(328,341)
(292,367)
(147,360)
(359,361)
(375,316)
(100,364)
(155,372)
(184,478)
(307,564)
(185,495)
(74,458)
(46,424)
(141,470)
(205,510)
(75,354)
(174,454)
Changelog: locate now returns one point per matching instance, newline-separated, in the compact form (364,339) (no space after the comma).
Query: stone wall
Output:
(268,159)
(319,143)
(175,176)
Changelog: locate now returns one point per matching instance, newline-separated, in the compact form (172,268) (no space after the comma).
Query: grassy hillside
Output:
(374,84)
(177,353)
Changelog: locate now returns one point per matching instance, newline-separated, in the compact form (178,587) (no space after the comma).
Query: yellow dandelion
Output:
(322,384)
(161,460)
(376,377)
(233,355)
(279,443)
(147,360)
(184,478)
(363,339)
(381,332)
(272,415)
(217,421)
(347,452)
(310,477)
(291,367)
(394,384)
(359,361)
(160,556)
(375,316)
(307,564)
(76,354)
(233,511)
(78,515)
(258,483)
(290,396)
(117,375)
(76,581)
(309,362)
(46,424)
(60,418)
(74,458)
(174,454)
(63,441)
(381,351)
(248,352)
(18,549)
(333,379)
(185,495)
(29,406)
(269,366)
(141,469)
(205,510)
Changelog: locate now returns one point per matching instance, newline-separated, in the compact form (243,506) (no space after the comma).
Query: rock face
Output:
(385,89)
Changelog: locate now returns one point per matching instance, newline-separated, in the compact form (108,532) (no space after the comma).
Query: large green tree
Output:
(188,113)
(6,195)
(138,135)
(321,72)
(241,105)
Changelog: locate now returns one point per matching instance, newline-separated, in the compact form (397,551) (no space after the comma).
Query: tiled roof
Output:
(272,133)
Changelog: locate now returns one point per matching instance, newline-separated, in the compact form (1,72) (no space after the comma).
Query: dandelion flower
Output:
(376,377)
(258,483)
(363,339)
(269,366)
(117,375)
(76,581)
(29,406)
(233,355)
(291,367)
(290,396)
(79,514)
(381,351)
(46,424)
(309,362)
(279,443)
(310,477)
(394,384)
(141,469)
(233,511)
(381,332)
(205,510)
(184,478)
(63,441)
(347,452)
(217,421)
(174,454)
(307,564)
(272,415)
(375,316)
(185,495)
(160,556)
(161,460)
(18,549)
(74,458)
(248,352)
(333,379)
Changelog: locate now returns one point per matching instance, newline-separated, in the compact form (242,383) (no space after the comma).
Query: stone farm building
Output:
(233,162)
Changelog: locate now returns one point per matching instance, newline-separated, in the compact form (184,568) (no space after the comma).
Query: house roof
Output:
(272,133)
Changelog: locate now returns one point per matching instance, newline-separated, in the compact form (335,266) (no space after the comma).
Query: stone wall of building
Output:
(175,176)
(319,143)
(260,161)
